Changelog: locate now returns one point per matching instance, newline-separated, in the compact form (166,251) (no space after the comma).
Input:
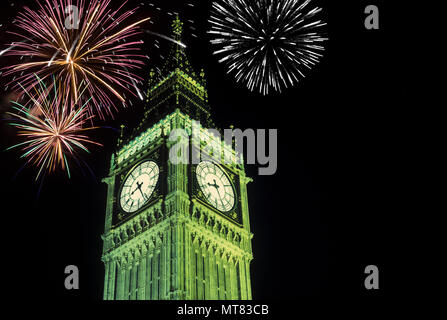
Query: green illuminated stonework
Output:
(177,245)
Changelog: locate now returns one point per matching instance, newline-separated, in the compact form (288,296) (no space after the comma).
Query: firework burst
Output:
(51,126)
(267,44)
(76,41)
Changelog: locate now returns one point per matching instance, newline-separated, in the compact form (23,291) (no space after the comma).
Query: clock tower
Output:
(176,231)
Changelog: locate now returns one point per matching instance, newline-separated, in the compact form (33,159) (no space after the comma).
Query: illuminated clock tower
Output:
(176,231)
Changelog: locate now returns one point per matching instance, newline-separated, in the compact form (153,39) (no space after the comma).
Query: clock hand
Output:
(138,187)
(214,185)
(142,194)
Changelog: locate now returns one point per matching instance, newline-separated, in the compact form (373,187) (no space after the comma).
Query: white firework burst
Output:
(267,44)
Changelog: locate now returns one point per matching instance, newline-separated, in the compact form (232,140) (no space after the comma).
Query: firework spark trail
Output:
(12,46)
(186,10)
(99,52)
(51,126)
(267,44)
(166,38)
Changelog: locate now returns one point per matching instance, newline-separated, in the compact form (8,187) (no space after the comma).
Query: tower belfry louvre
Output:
(176,231)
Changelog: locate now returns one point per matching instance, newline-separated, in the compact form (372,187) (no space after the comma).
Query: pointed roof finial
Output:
(177,28)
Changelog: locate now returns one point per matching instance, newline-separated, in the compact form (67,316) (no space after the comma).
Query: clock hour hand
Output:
(214,185)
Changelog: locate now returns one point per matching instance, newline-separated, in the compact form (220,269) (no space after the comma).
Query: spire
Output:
(179,56)
(176,86)
(177,28)
(177,59)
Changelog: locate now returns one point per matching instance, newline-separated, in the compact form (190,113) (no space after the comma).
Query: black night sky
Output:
(317,223)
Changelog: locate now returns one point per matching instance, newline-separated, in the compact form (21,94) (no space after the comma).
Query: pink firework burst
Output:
(79,41)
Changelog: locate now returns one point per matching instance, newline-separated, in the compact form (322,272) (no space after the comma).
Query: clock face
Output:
(138,186)
(215,185)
